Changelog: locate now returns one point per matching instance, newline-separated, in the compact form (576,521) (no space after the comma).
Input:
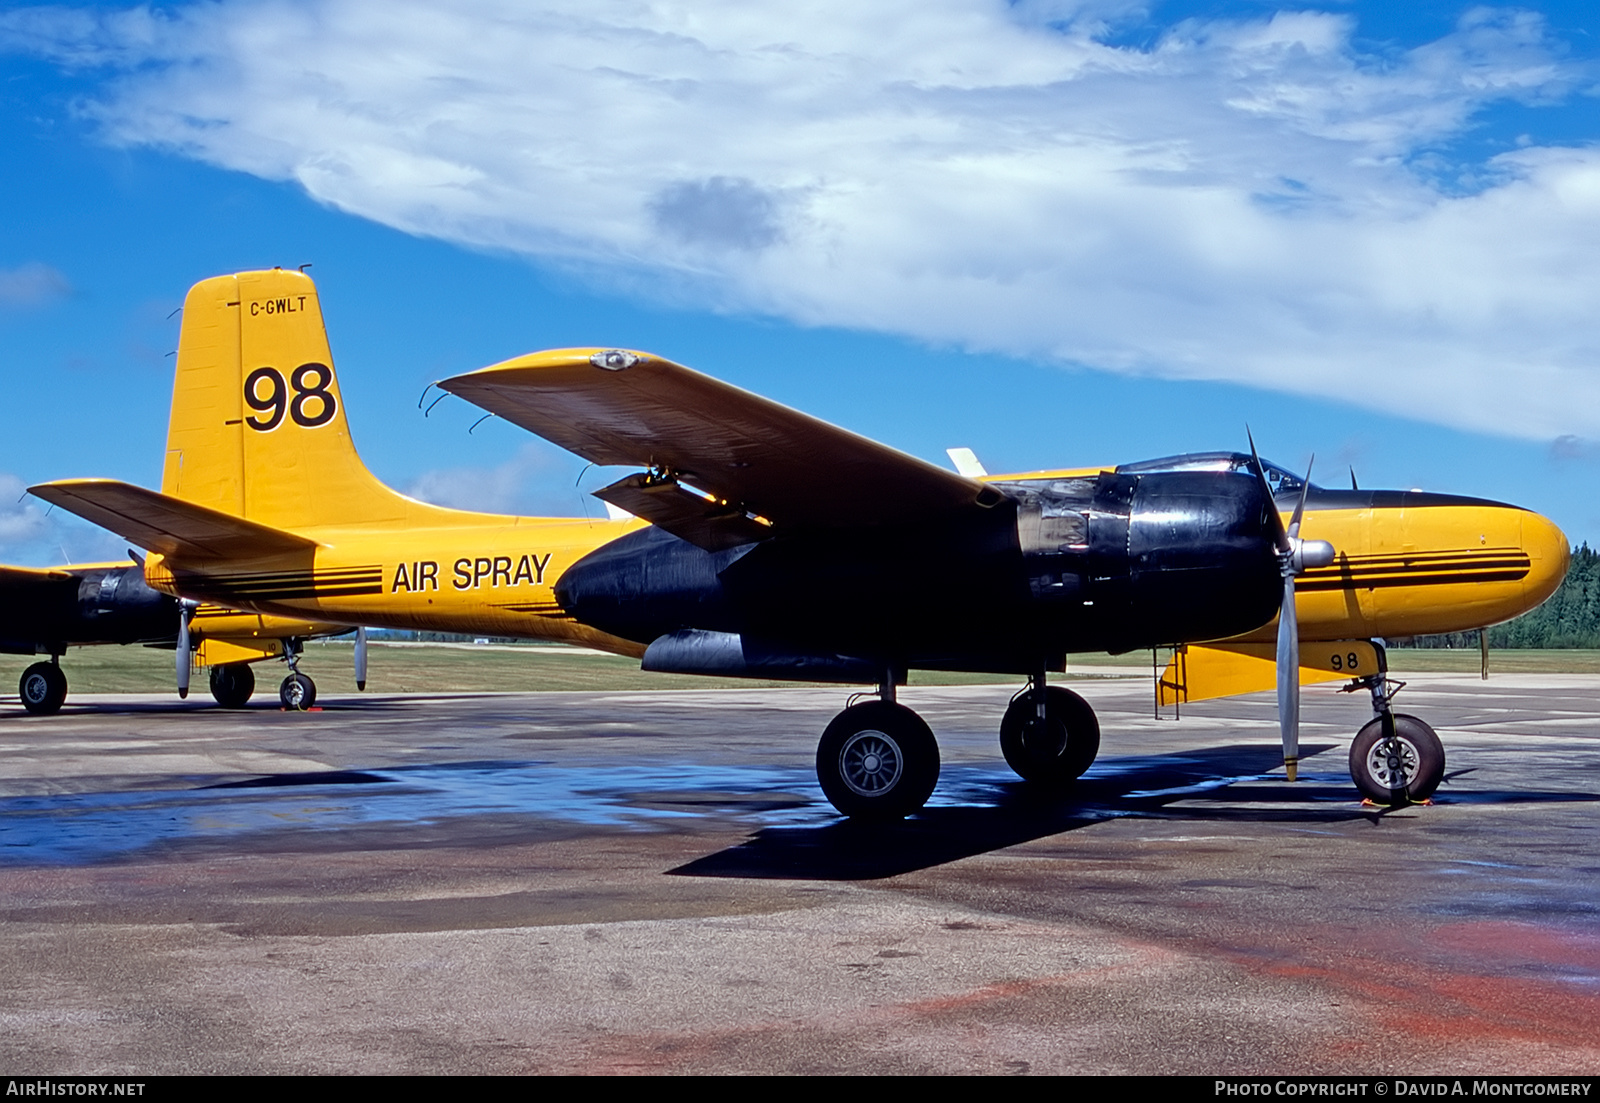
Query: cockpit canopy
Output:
(1280,479)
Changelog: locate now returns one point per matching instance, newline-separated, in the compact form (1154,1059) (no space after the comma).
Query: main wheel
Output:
(43,687)
(1419,763)
(878,761)
(1054,752)
(297,693)
(232,684)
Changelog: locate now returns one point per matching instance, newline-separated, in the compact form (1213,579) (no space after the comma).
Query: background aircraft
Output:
(784,546)
(43,611)
(781,546)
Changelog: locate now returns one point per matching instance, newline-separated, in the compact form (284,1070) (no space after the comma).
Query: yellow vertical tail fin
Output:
(258,426)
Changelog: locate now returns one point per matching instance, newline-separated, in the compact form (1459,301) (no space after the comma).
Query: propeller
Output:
(361,659)
(1294,557)
(185,657)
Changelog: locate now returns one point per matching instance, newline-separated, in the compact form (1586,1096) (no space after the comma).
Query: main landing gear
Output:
(1049,735)
(1395,759)
(43,688)
(232,684)
(879,761)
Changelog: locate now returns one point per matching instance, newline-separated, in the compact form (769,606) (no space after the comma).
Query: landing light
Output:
(614,360)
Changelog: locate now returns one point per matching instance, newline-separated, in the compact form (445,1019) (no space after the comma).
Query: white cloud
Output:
(530,483)
(31,534)
(1251,200)
(31,285)
(21,520)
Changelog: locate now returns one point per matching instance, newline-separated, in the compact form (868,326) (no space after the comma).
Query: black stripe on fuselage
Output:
(289,585)
(1419,569)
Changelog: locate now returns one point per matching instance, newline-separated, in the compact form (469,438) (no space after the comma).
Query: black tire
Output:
(232,684)
(42,688)
(878,761)
(1057,754)
(298,693)
(1422,759)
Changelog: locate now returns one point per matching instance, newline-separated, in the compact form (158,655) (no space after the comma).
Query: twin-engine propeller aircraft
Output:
(784,547)
(43,611)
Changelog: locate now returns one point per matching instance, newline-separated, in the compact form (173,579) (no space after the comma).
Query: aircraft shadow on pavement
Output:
(1147,786)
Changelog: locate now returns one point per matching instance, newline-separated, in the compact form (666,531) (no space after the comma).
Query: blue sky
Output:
(1055,232)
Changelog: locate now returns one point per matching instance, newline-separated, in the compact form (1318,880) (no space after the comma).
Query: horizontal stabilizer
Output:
(168,525)
(1202,673)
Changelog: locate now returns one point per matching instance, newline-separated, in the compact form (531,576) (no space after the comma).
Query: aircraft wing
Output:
(165,524)
(753,456)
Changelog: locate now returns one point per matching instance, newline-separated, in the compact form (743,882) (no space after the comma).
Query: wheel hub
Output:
(1045,740)
(870,763)
(1393,768)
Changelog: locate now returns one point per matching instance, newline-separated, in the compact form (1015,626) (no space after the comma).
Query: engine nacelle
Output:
(89,605)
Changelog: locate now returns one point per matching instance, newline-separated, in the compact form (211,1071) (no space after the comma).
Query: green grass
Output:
(439,669)
(410,669)
(1425,660)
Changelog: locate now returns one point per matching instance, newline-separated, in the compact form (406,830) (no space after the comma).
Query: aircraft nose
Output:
(1549,554)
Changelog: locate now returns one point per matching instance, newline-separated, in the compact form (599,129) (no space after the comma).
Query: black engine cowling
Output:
(88,605)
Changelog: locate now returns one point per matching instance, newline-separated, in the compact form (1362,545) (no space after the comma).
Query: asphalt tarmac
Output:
(652,882)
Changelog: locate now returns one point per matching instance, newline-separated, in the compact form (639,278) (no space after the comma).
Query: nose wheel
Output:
(1395,759)
(298,692)
(1410,762)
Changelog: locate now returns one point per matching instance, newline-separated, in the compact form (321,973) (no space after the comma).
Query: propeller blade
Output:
(185,656)
(1300,506)
(361,659)
(1289,678)
(1280,538)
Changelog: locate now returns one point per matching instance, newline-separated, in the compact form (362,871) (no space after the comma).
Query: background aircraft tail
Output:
(258,426)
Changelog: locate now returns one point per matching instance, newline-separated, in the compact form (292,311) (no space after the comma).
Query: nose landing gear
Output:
(1395,759)
(298,692)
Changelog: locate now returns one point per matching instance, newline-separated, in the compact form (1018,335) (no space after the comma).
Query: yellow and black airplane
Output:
(43,611)
(782,546)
